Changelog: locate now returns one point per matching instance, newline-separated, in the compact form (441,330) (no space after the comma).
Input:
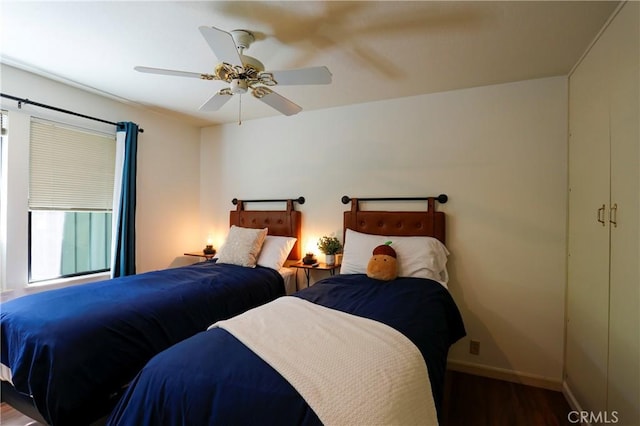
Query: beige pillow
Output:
(242,246)
(275,251)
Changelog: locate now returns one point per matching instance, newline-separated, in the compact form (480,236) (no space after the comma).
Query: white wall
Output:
(168,171)
(499,152)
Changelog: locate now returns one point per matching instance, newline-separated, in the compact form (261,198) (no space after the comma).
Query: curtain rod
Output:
(66,111)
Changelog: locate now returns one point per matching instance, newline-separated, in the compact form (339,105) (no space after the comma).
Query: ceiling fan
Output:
(244,73)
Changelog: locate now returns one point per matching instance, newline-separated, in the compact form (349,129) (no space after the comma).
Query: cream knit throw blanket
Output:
(350,370)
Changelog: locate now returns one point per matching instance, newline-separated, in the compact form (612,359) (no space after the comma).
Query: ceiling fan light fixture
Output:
(238,86)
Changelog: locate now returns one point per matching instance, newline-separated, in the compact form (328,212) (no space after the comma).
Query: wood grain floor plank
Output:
(479,401)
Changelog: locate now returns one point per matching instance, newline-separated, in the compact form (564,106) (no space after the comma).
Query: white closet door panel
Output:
(624,320)
(588,262)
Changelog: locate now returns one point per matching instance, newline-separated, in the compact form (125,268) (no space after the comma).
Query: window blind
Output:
(70,168)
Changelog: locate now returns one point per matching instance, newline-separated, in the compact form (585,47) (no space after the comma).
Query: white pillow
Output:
(275,251)
(419,257)
(242,246)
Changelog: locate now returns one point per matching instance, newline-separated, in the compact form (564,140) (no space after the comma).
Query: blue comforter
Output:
(75,348)
(212,378)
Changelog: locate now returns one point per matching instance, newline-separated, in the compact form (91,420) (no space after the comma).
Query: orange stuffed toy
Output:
(384,264)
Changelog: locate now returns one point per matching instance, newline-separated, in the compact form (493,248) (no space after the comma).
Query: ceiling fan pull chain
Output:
(240,110)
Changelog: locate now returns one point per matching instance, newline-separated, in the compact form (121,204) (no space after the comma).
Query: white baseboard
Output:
(505,374)
(571,399)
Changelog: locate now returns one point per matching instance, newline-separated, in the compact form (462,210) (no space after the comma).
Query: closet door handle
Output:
(613,215)
(601,215)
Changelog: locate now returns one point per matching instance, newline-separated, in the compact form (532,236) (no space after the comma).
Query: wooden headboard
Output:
(430,223)
(285,223)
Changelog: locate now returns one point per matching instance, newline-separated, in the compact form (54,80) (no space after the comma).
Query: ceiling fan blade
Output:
(313,75)
(176,73)
(276,101)
(222,44)
(216,102)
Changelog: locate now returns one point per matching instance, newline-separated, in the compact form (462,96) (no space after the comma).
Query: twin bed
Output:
(349,349)
(67,354)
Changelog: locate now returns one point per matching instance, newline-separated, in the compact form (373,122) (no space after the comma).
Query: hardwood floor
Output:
(11,417)
(480,401)
(469,401)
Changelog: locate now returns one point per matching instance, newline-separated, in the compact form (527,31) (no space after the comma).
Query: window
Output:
(71,179)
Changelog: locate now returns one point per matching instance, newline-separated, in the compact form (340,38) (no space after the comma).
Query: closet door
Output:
(588,245)
(624,317)
(602,360)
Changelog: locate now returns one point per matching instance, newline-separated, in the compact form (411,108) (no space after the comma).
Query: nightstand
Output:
(318,267)
(200,254)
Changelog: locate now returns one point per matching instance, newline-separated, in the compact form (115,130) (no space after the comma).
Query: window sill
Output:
(52,284)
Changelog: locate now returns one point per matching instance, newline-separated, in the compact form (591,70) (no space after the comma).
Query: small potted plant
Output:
(330,246)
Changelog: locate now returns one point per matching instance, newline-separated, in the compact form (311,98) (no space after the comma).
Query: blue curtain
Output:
(124,262)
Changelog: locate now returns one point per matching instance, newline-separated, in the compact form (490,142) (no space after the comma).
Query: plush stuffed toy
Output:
(384,264)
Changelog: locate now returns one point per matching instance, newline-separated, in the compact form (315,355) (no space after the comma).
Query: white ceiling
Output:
(375,49)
